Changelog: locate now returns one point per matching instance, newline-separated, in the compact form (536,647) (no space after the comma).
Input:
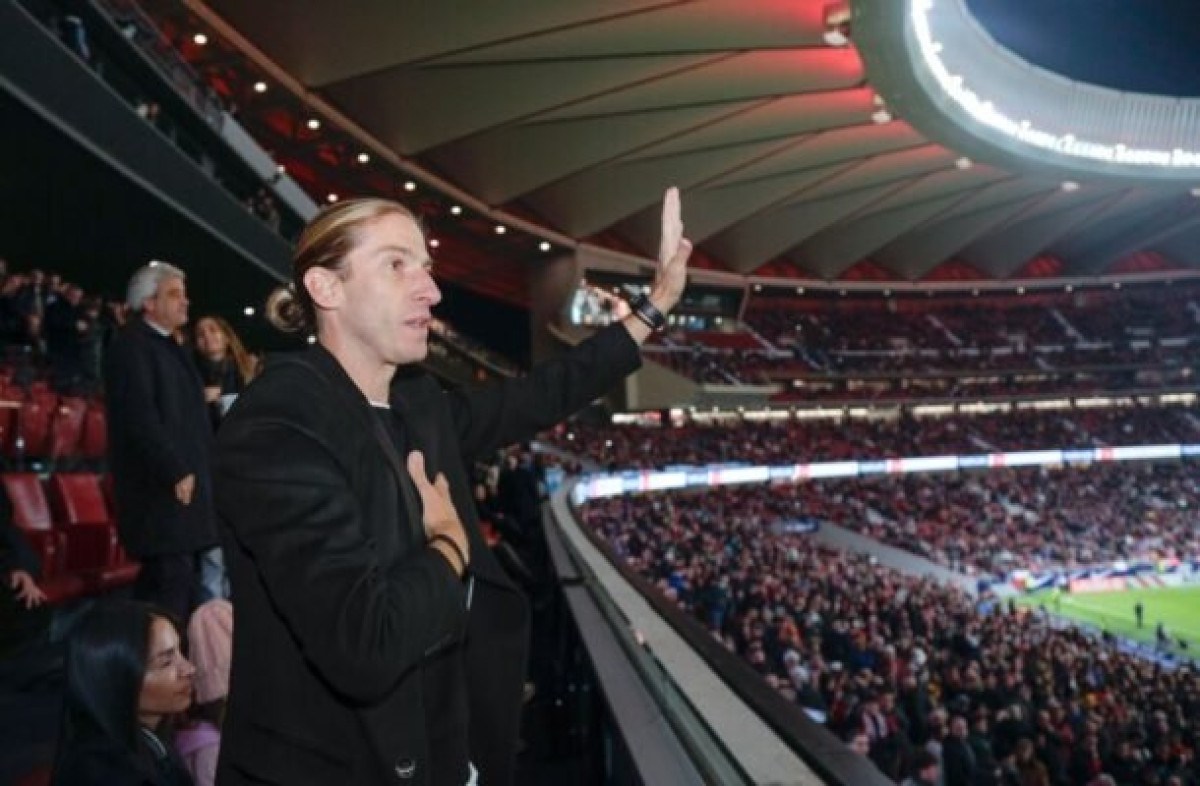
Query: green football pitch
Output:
(1177,607)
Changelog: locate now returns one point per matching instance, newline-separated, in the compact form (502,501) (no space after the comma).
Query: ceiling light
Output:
(434,242)
(881,116)
(1020,290)
(281,169)
(1116,285)
(1069,288)
(501,229)
(364,158)
(758,287)
(314,124)
(200,39)
(455,210)
(312,339)
(799,290)
(544,245)
(260,87)
(964,163)
(410,186)
(1070,185)
(332,197)
(248,311)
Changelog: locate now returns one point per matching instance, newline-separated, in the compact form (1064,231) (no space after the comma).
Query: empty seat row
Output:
(69,430)
(69,523)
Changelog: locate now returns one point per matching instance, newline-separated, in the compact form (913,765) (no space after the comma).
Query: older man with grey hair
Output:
(160,442)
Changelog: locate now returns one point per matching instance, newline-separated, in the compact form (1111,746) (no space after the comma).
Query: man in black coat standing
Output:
(378,640)
(160,442)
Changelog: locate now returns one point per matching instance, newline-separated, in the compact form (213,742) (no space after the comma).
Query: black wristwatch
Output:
(648,313)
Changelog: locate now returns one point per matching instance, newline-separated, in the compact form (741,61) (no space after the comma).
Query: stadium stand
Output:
(900,662)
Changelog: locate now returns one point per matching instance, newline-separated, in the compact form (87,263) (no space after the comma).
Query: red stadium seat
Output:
(78,499)
(66,429)
(8,418)
(80,512)
(32,432)
(30,510)
(93,444)
(11,392)
(31,515)
(41,392)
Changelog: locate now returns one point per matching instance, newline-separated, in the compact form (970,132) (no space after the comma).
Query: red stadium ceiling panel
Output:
(831,252)
(418,115)
(490,163)
(771,233)
(1002,251)
(922,250)
(613,192)
(713,209)
(575,116)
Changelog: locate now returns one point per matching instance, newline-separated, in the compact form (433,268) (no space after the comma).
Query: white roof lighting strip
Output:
(1047,111)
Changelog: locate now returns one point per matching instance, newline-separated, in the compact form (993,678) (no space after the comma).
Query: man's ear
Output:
(324,287)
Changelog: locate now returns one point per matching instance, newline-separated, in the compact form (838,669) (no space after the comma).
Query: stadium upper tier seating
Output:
(794,441)
(871,348)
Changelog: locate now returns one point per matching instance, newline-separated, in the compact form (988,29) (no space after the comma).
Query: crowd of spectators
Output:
(922,678)
(987,524)
(51,325)
(793,441)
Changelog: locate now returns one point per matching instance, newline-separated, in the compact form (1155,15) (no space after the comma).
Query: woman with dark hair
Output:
(126,675)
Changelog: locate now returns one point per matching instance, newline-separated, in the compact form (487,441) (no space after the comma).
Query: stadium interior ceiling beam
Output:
(1007,248)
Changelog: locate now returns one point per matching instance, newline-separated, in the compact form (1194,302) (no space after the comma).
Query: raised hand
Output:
(673,253)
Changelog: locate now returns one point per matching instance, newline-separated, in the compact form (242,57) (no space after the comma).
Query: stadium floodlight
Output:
(837,19)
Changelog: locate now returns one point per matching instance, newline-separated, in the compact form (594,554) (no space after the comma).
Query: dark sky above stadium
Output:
(1150,46)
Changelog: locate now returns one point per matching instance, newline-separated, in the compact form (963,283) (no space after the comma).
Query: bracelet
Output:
(458,552)
(648,313)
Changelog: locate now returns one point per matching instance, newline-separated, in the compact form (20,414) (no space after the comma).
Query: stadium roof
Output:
(797,159)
